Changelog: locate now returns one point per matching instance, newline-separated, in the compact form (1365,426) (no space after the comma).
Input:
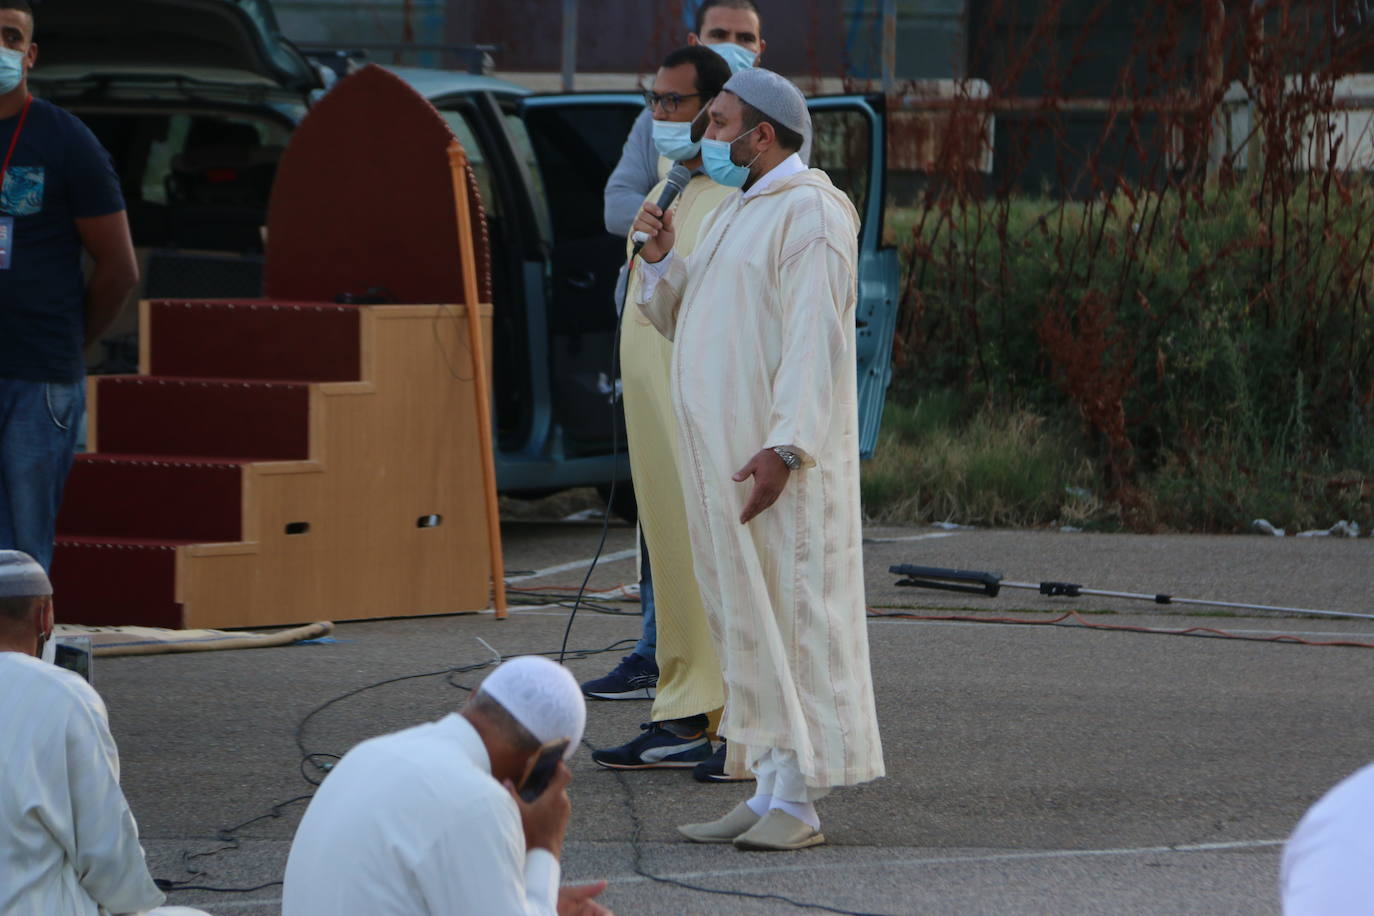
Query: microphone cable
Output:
(616,400)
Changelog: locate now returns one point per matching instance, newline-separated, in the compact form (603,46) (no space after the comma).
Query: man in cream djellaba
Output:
(764,388)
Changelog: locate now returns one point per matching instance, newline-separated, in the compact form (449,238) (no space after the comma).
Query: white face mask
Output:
(737,57)
(11,70)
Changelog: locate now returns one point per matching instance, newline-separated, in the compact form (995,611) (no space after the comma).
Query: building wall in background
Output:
(355,23)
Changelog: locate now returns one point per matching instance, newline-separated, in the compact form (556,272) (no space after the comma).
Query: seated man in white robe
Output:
(430,820)
(68,842)
(764,388)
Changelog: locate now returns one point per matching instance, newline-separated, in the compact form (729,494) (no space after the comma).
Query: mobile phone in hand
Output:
(541,769)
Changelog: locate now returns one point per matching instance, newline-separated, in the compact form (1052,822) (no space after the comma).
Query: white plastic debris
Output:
(1263,526)
(1342,529)
(1069,529)
(951,526)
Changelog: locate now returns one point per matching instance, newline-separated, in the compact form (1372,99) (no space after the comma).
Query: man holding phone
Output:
(463,815)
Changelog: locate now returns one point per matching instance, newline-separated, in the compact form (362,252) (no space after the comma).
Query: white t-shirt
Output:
(68,842)
(413,823)
(1328,862)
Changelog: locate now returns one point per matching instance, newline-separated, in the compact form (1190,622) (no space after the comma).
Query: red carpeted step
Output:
(142,415)
(116,582)
(254,339)
(149,496)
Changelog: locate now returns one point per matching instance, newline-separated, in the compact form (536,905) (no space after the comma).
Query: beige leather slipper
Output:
(778,831)
(724,830)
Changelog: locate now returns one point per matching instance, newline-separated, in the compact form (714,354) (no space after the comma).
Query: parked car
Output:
(196,99)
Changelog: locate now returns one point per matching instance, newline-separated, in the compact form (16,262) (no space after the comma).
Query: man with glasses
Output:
(690,688)
(731,29)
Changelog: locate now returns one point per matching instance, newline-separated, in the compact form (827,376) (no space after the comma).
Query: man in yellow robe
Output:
(764,391)
(689,683)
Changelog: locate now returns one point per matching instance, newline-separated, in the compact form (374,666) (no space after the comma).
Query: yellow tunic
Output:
(689,679)
(763,317)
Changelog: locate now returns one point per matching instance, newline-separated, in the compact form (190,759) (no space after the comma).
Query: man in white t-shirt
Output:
(429,820)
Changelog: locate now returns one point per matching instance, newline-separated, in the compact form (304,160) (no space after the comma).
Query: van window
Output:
(192,180)
(841,145)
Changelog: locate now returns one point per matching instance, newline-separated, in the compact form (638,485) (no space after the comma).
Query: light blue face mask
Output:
(720,167)
(674,140)
(11,70)
(737,57)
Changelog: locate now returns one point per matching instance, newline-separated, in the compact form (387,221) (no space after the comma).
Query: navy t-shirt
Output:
(59,173)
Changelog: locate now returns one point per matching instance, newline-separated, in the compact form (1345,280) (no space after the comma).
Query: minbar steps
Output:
(274,463)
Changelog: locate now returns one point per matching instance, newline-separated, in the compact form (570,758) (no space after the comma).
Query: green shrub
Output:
(1216,344)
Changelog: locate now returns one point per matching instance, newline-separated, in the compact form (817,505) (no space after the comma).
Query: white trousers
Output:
(779,776)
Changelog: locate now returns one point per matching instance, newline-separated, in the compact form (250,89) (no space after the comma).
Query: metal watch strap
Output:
(789,457)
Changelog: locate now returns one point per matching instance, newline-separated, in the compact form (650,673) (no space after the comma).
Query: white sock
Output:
(760,804)
(802,811)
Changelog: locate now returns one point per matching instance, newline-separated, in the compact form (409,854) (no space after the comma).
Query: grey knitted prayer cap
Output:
(773,95)
(21,576)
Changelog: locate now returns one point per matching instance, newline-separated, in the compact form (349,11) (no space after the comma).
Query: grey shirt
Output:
(634,177)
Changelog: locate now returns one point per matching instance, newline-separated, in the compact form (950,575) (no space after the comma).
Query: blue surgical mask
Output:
(720,167)
(674,140)
(11,70)
(737,57)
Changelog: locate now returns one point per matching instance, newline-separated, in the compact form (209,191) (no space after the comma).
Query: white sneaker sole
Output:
(641,693)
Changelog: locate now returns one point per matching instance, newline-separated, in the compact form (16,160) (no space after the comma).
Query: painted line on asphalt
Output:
(960,860)
(576,564)
(912,537)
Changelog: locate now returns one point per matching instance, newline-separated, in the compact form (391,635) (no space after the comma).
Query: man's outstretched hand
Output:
(577,900)
(770,477)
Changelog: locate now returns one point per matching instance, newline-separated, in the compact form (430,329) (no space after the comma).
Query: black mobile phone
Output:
(542,768)
(72,653)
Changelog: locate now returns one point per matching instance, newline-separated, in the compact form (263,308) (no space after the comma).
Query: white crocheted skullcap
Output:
(21,576)
(773,95)
(543,696)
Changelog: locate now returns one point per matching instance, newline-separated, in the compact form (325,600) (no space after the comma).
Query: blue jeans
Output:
(38,426)
(647,646)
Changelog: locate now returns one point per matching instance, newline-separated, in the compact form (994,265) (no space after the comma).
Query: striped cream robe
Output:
(762,318)
(689,680)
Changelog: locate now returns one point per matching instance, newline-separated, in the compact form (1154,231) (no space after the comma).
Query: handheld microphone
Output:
(677,179)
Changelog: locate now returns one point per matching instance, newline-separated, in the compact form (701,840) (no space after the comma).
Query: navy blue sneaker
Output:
(657,748)
(713,770)
(635,678)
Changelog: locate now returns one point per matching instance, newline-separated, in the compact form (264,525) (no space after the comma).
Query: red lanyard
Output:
(14,141)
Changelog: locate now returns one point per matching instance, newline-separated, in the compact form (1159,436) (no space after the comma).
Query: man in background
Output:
(429,821)
(69,844)
(59,196)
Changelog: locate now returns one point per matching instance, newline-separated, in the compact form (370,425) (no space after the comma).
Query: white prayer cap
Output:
(543,696)
(773,95)
(21,576)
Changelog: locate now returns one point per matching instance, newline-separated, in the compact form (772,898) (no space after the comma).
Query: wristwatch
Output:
(789,457)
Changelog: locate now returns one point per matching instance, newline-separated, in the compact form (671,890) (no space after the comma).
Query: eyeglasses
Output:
(669,100)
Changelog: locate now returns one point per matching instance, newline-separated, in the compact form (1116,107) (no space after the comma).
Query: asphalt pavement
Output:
(1034,767)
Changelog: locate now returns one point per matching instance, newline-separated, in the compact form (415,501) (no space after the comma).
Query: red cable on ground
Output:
(1208,632)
